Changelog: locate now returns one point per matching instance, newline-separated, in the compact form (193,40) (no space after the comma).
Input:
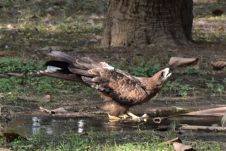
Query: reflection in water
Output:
(35,125)
(49,130)
(50,125)
(81,124)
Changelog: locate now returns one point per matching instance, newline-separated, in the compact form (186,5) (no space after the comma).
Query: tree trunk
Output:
(144,22)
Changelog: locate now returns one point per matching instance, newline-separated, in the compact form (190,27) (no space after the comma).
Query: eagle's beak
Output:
(166,73)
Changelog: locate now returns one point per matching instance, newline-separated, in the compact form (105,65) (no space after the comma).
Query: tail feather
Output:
(64,64)
(57,66)
(61,56)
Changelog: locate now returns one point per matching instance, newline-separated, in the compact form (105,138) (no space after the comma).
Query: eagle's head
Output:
(159,78)
(164,74)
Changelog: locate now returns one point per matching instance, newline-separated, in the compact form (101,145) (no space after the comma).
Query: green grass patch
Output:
(193,72)
(42,23)
(29,85)
(145,70)
(142,141)
(215,86)
(205,36)
(14,64)
(177,88)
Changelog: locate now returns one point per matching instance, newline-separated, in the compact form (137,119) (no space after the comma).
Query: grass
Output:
(71,32)
(215,87)
(142,141)
(50,23)
(27,25)
(177,88)
(215,36)
(206,26)
(145,70)
(44,85)
(13,87)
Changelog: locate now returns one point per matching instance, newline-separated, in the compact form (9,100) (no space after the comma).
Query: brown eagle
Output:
(119,89)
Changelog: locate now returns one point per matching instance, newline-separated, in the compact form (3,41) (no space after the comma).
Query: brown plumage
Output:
(119,89)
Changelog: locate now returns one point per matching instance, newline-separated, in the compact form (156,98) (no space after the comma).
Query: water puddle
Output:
(49,125)
(31,125)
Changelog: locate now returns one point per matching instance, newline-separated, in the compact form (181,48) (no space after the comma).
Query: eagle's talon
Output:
(145,117)
(124,117)
(130,115)
(142,118)
(137,118)
(113,118)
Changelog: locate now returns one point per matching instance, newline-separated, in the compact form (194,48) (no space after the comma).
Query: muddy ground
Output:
(27,28)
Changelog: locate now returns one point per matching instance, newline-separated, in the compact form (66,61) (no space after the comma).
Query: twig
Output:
(202,128)
(11,74)
(218,111)
(3,75)
(20,75)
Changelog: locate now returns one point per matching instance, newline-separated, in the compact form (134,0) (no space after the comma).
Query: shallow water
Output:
(50,125)
(32,125)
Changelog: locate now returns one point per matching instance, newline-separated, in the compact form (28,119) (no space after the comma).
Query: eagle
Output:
(118,88)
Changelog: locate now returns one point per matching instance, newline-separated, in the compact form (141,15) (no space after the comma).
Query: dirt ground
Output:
(28,26)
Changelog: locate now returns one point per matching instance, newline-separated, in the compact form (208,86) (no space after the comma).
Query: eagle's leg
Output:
(118,118)
(137,118)
(126,116)
(113,118)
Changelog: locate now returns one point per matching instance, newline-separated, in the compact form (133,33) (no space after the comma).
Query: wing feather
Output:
(120,86)
(117,84)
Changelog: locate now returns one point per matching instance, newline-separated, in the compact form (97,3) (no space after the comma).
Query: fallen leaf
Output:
(59,110)
(178,145)
(218,65)
(170,142)
(182,62)
(218,111)
(182,147)
(202,128)
(55,111)
(46,98)
(5,149)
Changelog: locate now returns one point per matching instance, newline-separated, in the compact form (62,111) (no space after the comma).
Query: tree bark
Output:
(144,22)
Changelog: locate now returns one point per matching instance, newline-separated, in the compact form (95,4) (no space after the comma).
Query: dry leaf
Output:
(5,149)
(46,98)
(55,111)
(218,111)
(178,146)
(182,62)
(182,147)
(202,128)
(170,142)
(218,65)
(59,110)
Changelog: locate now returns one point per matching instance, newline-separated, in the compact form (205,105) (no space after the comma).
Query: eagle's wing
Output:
(117,84)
